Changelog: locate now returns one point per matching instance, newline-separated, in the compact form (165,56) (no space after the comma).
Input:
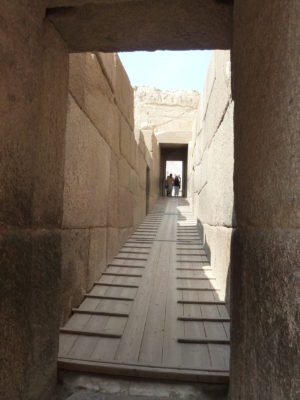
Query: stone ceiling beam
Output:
(127,25)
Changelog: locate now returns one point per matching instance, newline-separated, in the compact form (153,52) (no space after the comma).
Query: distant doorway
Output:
(175,168)
(173,159)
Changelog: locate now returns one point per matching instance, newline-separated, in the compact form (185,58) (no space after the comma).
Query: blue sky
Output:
(167,70)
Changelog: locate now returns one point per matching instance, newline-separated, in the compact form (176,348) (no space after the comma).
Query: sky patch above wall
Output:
(167,70)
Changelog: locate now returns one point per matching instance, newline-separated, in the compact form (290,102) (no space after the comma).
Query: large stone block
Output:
(265,301)
(29,310)
(213,177)
(125,207)
(124,173)
(75,262)
(205,24)
(220,96)
(113,195)
(87,172)
(21,56)
(50,143)
(267,114)
(108,64)
(97,256)
(92,91)
(30,261)
(217,242)
(124,93)
(125,140)
(113,244)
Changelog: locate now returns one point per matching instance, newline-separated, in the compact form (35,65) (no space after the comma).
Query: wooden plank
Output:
(198,289)
(195,269)
(108,297)
(202,319)
(131,341)
(125,266)
(193,278)
(116,285)
(118,274)
(133,252)
(148,317)
(220,356)
(105,349)
(88,333)
(202,341)
(152,343)
(130,258)
(92,312)
(199,302)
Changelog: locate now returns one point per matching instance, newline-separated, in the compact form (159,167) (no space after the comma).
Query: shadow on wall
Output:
(224,276)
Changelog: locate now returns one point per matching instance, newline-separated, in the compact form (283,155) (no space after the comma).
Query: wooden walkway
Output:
(155,311)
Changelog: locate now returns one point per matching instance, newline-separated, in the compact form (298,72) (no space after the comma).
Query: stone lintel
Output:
(143,25)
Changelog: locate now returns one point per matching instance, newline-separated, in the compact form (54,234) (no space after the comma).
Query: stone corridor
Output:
(155,312)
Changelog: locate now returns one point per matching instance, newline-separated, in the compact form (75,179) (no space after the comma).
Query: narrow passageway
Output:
(155,311)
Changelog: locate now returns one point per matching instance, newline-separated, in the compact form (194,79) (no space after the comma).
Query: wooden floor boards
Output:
(155,311)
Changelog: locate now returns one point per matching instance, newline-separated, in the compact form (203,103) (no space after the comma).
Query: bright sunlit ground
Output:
(167,70)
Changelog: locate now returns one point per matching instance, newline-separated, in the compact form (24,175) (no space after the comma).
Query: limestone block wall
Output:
(105,172)
(210,170)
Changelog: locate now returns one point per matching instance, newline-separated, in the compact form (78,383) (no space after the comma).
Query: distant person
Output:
(176,185)
(166,186)
(170,185)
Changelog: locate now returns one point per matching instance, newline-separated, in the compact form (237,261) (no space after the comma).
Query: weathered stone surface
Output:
(50,143)
(267,117)
(213,178)
(134,25)
(125,208)
(112,243)
(217,242)
(265,250)
(93,93)
(265,313)
(107,61)
(124,93)
(124,173)
(29,308)
(30,260)
(168,114)
(75,260)
(97,255)
(87,169)
(211,169)
(20,101)
(125,140)
(113,195)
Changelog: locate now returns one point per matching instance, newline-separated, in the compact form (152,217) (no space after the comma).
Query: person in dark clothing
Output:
(176,186)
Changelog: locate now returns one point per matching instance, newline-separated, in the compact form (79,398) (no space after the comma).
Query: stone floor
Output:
(78,386)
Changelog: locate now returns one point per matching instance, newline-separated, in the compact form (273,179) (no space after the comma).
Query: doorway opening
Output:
(175,168)
(174,159)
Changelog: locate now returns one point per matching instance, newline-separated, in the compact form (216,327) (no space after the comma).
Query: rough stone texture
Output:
(75,260)
(167,24)
(210,182)
(92,387)
(87,168)
(33,71)
(265,248)
(97,255)
(168,114)
(105,168)
(265,310)
(113,244)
